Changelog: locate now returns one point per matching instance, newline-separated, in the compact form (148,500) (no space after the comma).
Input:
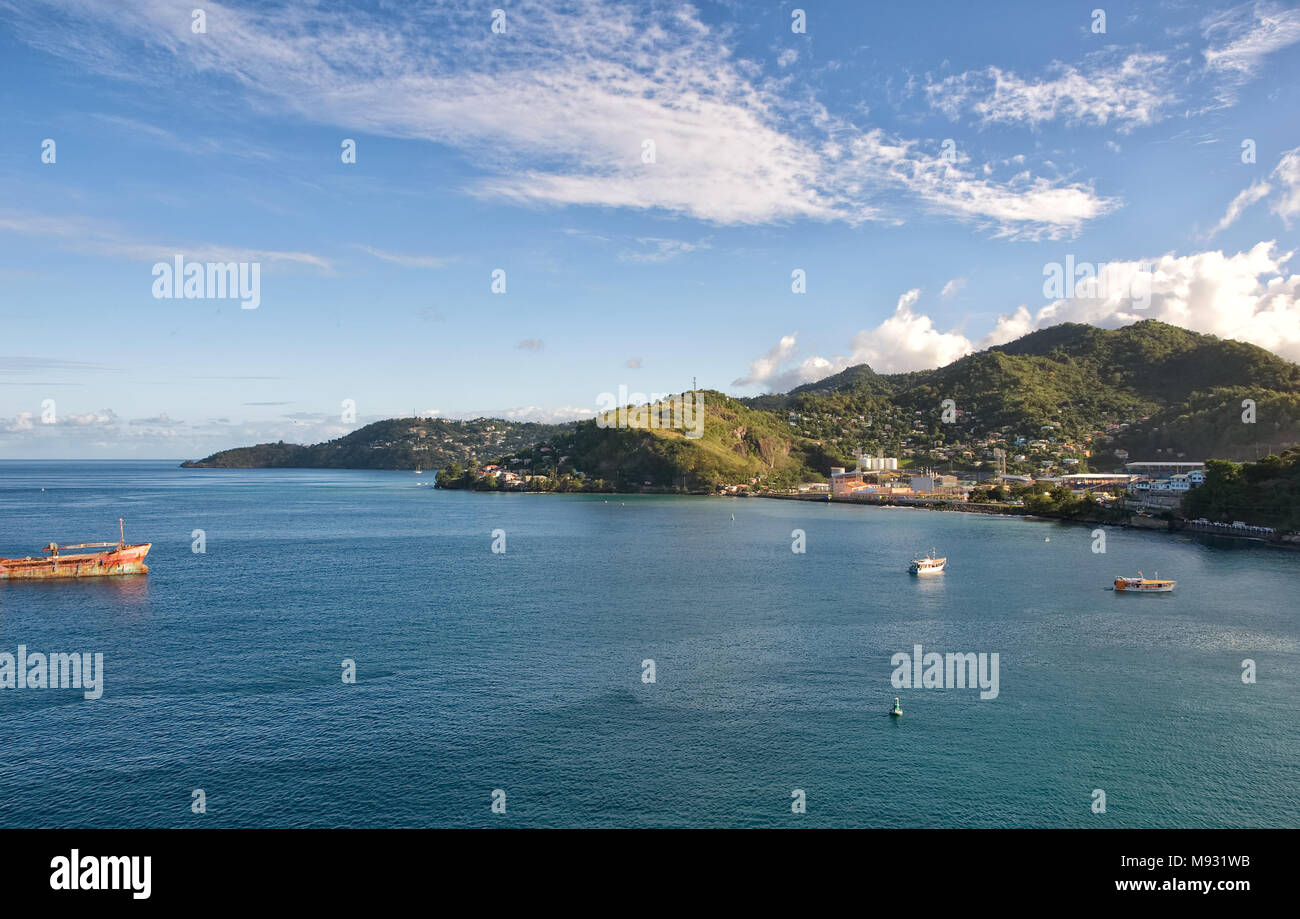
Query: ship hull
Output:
(1159,588)
(126,560)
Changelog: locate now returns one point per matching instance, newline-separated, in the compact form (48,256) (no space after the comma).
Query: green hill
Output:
(397,443)
(1164,389)
(738,444)
(1067,398)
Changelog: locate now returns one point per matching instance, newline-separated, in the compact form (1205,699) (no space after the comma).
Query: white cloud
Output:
(1287,174)
(1250,37)
(1237,206)
(409,261)
(1128,93)
(23,422)
(1248,296)
(952,288)
(1024,207)
(1009,328)
(1286,204)
(103,417)
(84,234)
(1242,38)
(537,413)
(556,111)
(655,249)
(764,368)
(908,341)
(905,341)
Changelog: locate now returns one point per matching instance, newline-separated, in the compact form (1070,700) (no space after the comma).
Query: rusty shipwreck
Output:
(118,558)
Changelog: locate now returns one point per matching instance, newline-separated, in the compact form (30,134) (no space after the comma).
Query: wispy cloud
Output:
(1243,37)
(1257,191)
(411,261)
(655,249)
(1287,175)
(93,237)
(589,104)
(1128,93)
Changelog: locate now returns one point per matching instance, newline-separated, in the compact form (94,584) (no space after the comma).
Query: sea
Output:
(344,648)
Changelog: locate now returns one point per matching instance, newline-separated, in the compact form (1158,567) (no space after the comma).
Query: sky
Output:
(507,209)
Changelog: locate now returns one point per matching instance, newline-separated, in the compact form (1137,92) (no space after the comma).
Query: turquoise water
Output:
(522,671)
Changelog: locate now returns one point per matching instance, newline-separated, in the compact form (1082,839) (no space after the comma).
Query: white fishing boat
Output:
(928,564)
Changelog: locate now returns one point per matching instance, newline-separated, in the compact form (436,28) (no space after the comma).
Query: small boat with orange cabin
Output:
(119,558)
(1144,585)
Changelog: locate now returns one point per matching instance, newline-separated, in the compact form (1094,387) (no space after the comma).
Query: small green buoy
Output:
(897,710)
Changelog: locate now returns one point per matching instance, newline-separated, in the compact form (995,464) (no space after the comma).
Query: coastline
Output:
(1133,521)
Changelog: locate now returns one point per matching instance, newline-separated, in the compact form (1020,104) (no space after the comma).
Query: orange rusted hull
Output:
(123,560)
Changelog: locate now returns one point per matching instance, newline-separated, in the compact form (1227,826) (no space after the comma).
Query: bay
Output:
(522,671)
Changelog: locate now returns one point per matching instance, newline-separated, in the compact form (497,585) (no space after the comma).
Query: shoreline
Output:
(1155,525)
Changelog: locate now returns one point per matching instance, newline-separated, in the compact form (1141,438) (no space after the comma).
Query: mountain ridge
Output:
(1070,396)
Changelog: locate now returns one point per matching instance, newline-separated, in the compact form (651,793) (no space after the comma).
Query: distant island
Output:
(1070,398)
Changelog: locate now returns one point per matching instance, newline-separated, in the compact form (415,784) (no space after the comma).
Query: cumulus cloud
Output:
(23,421)
(531,344)
(1009,327)
(908,341)
(1248,296)
(101,418)
(905,341)
(536,413)
(764,368)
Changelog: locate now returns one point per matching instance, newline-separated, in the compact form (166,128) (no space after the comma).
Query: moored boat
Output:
(1144,585)
(927,564)
(119,558)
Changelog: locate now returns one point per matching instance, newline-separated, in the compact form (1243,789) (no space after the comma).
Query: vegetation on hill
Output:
(1150,389)
(738,444)
(398,443)
(1069,398)
(1266,493)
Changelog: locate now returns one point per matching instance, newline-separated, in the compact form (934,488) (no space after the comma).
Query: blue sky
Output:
(774,150)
